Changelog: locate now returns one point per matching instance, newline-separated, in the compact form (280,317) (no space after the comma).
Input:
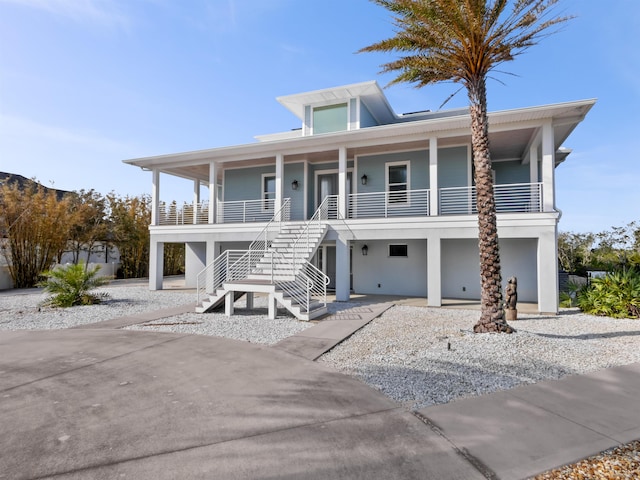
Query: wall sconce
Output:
(363,179)
(365,250)
(294,184)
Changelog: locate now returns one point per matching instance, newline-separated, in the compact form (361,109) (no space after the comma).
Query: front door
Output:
(327,185)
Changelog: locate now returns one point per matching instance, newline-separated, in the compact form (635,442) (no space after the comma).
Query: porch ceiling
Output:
(511,132)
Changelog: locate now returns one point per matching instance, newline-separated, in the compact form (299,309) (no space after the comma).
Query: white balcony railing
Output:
(172,214)
(520,197)
(247,211)
(406,203)
(514,197)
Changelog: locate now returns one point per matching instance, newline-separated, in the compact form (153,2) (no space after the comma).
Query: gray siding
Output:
(366,119)
(245,183)
(511,172)
(294,171)
(373,166)
(453,167)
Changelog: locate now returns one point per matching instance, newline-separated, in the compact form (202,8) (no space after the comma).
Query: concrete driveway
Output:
(94,404)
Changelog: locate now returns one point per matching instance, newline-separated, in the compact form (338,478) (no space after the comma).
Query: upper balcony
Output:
(511,198)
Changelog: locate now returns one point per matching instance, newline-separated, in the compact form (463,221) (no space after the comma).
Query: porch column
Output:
(342,182)
(213,193)
(272,309)
(434,272)
(195,260)
(342,269)
(533,163)
(155,196)
(536,202)
(279,183)
(228,303)
(196,200)
(156,264)
(548,284)
(548,161)
(211,253)
(434,195)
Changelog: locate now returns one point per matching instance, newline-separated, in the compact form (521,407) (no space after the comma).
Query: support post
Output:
(548,165)
(548,283)
(343,273)
(434,272)
(228,303)
(249,296)
(213,193)
(342,182)
(273,306)
(155,196)
(434,194)
(279,183)
(156,264)
(196,200)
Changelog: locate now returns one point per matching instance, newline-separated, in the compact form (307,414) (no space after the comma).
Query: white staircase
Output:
(277,263)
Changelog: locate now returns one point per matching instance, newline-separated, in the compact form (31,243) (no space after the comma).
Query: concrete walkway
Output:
(98,402)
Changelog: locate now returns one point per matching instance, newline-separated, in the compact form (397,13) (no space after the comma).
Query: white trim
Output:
(407,163)
(262,192)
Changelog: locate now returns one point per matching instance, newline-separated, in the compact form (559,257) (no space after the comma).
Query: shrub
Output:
(569,298)
(615,295)
(70,285)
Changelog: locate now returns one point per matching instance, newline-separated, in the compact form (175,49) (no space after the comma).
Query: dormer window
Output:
(331,118)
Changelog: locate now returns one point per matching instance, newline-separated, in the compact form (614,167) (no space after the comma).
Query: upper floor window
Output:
(397,182)
(268,191)
(332,118)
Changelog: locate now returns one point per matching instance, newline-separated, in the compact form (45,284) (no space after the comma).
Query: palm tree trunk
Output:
(492,312)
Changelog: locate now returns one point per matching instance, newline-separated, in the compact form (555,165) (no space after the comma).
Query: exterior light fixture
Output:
(294,184)
(365,250)
(363,179)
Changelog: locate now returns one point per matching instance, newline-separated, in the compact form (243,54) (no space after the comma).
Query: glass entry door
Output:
(327,185)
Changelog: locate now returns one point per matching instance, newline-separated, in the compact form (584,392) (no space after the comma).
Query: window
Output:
(268,191)
(398,250)
(398,182)
(332,118)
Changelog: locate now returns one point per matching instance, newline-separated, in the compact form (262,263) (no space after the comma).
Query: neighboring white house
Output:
(391,198)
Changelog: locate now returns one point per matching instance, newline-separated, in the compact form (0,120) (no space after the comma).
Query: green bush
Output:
(70,285)
(615,295)
(569,298)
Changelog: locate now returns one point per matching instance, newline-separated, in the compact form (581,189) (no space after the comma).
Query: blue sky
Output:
(85,84)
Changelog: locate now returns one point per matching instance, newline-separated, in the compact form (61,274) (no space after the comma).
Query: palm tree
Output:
(462,41)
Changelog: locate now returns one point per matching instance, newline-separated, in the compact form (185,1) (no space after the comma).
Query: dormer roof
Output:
(369,92)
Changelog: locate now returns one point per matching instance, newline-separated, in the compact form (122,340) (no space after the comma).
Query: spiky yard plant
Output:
(72,284)
(463,41)
(616,295)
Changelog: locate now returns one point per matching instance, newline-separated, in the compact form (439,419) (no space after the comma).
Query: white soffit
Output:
(370,92)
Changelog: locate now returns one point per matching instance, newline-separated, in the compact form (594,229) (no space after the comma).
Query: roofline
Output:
(271,148)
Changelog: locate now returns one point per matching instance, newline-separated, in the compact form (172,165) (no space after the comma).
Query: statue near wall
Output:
(511,299)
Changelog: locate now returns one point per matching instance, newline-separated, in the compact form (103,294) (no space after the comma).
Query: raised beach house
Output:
(363,200)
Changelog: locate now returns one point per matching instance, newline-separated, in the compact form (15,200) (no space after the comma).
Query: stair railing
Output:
(238,264)
(262,241)
(308,284)
(228,266)
(313,226)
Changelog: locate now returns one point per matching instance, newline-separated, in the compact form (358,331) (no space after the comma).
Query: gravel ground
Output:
(424,356)
(23,310)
